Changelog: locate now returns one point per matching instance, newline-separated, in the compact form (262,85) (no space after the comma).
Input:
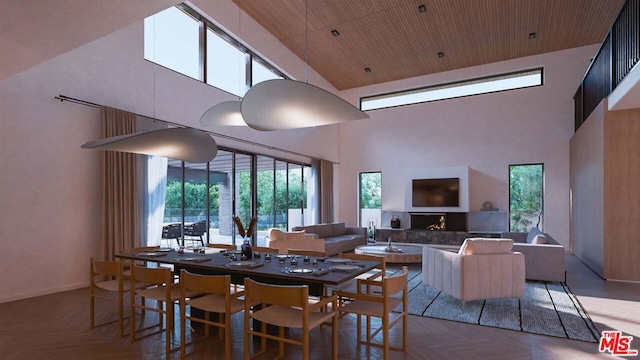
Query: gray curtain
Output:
(324,171)
(119,173)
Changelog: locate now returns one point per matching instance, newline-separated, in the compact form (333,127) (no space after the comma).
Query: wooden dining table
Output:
(328,271)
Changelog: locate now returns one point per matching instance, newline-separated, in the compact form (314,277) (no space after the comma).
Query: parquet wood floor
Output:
(56,327)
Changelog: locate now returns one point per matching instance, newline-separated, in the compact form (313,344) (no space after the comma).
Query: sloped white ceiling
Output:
(34,31)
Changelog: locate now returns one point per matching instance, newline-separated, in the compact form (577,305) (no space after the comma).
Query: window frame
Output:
(449,85)
(542,185)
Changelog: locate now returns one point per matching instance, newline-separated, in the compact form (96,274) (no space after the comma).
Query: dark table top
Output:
(266,271)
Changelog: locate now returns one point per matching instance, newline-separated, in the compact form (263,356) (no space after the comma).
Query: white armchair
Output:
(283,241)
(482,269)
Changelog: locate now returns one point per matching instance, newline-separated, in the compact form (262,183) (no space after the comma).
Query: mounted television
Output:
(436,192)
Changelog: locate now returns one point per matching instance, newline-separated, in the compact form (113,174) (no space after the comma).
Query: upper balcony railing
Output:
(618,54)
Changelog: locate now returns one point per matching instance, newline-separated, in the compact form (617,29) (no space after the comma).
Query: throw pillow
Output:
(296,234)
(539,239)
(477,246)
(276,234)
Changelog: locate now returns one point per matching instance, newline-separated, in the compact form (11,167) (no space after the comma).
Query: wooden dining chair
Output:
(304,252)
(285,307)
(107,282)
(161,287)
(216,298)
(222,246)
(264,249)
(380,305)
(351,286)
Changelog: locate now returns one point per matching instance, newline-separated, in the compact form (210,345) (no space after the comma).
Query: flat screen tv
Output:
(436,192)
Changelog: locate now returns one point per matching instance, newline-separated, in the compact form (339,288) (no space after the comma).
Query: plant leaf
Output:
(252,225)
(239,226)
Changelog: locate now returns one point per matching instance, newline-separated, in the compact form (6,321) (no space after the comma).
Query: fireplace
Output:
(439,221)
(431,221)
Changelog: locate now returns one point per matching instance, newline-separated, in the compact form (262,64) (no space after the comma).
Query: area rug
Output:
(547,308)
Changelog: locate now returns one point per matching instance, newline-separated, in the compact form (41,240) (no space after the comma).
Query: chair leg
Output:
(227,335)
(359,328)
(334,344)
(305,343)
(183,331)
(281,344)
(168,327)
(246,335)
(91,310)
(121,313)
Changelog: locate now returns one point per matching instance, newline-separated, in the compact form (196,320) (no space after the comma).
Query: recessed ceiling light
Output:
(335,32)
(440,54)
(532,36)
(422,9)
(367,69)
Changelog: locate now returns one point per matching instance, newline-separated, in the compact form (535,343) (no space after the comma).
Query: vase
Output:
(245,249)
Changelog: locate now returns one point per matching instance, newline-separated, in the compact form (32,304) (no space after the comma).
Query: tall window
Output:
(526,194)
(370,190)
(226,65)
(171,39)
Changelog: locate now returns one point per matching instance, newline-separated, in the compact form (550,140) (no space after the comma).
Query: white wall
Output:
(487,133)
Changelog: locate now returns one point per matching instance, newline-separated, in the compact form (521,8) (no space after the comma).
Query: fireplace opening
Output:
(439,221)
(429,221)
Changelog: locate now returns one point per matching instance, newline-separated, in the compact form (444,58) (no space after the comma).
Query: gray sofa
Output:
(337,237)
(544,256)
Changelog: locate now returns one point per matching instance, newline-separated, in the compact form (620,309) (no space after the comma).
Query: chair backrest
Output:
(366,257)
(172,231)
(304,252)
(285,295)
(264,249)
(157,276)
(223,246)
(197,228)
(394,284)
(106,268)
(209,284)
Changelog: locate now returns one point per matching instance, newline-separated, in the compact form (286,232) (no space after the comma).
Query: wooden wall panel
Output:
(622,194)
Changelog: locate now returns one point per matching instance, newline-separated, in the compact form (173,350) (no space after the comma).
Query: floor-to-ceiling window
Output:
(243,189)
(221,198)
(265,193)
(281,199)
(526,194)
(297,214)
(233,184)
(370,199)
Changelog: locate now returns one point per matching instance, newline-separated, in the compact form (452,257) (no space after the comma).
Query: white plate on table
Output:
(193,258)
(152,254)
(301,271)
(244,263)
(337,260)
(344,267)
(159,250)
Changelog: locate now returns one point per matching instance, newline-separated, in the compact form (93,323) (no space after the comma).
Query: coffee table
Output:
(404,254)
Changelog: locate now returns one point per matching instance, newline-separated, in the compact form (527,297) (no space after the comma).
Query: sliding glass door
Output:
(232,184)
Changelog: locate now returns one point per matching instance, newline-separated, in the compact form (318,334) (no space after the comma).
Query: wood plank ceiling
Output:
(396,41)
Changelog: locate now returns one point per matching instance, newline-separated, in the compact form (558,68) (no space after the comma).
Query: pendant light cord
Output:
(242,53)
(306,41)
